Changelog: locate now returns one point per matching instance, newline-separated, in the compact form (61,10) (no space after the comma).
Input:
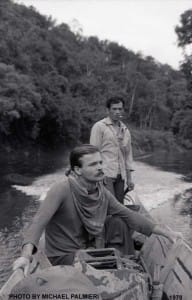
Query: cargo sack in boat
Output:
(119,285)
(115,277)
(60,282)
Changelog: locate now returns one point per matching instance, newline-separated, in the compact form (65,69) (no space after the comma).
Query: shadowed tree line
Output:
(54,83)
(183,118)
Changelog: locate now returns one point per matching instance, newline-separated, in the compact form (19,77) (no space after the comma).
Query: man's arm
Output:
(96,136)
(138,222)
(134,220)
(129,162)
(130,184)
(171,235)
(47,209)
(23,262)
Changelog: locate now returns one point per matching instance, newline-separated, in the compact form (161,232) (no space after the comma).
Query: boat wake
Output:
(41,185)
(152,185)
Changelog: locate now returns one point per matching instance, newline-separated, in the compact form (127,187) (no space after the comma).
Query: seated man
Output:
(74,212)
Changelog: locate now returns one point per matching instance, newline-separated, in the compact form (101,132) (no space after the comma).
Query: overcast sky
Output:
(145,26)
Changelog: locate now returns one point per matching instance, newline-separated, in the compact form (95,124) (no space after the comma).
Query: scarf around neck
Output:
(92,208)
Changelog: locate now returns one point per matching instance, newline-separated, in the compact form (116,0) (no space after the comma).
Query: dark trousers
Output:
(116,187)
(66,259)
(117,235)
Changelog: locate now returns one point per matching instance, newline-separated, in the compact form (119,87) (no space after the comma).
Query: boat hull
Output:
(168,265)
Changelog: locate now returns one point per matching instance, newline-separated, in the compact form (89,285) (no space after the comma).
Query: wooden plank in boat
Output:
(154,252)
(16,277)
(175,262)
(177,273)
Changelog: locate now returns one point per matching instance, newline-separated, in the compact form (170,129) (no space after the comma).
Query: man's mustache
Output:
(100,173)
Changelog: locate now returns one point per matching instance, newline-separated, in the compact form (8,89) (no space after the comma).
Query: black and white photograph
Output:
(96,149)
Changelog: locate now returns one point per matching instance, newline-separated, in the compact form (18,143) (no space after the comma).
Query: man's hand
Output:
(22,263)
(130,184)
(173,236)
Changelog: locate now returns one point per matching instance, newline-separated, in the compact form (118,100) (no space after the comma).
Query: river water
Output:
(163,182)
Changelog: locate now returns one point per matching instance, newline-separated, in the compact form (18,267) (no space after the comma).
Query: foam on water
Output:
(41,185)
(155,186)
(152,185)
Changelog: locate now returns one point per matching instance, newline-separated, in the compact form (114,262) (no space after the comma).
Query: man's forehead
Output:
(119,104)
(91,157)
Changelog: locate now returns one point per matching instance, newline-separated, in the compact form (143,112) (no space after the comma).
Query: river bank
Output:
(143,140)
(17,156)
(150,141)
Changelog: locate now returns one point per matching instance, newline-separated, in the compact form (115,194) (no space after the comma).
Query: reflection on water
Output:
(179,162)
(13,206)
(16,210)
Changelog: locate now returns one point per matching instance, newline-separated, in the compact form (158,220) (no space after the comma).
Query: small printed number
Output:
(175,297)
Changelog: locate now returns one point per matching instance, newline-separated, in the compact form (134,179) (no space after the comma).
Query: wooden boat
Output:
(160,270)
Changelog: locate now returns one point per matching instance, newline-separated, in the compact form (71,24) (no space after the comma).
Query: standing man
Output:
(113,139)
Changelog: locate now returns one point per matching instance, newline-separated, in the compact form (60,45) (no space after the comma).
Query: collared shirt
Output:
(115,148)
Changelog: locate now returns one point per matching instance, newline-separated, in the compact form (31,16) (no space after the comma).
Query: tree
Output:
(20,104)
(184,34)
(184,30)
(54,82)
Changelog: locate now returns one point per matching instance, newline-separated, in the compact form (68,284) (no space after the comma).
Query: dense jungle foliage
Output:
(54,83)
